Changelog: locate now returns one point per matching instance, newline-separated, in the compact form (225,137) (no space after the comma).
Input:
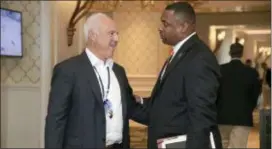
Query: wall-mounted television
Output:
(11,33)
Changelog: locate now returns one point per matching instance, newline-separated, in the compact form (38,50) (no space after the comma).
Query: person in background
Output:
(238,94)
(249,62)
(268,77)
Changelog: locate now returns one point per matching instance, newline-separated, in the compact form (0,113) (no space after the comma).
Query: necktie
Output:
(166,64)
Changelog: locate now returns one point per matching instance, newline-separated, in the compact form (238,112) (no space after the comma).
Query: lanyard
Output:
(104,94)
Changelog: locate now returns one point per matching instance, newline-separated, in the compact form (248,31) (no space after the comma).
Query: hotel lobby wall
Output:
(205,20)
(21,82)
(253,42)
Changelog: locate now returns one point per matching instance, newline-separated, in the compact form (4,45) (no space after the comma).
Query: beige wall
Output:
(20,83)
(205,20)
(253,42)
(60,51)
(25,70)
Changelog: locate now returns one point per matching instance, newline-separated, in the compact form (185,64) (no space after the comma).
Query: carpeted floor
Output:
(139,136)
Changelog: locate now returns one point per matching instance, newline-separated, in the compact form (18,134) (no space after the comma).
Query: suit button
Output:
(103,139)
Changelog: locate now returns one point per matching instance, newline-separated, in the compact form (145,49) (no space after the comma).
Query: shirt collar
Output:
(236,59)
(179,44)
(95,61)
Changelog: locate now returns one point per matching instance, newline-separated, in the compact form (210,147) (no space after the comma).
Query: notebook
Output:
(178,142)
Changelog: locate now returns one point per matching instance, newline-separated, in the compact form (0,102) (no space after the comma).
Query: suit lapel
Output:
(178,58)
(118,75)
(184,49)
(91,78)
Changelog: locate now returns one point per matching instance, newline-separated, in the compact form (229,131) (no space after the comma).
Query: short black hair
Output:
(236,50)
(248,61)
(183,9)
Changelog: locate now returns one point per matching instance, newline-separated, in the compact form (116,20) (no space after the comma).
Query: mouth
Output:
(161,35)
(113,44)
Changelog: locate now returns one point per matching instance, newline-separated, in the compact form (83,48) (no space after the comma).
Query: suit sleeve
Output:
(136,111)
(58,108)
(201,86)
(268,77)
(256,89)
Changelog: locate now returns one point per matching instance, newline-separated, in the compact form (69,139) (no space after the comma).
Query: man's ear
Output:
(184,27)
(92,35)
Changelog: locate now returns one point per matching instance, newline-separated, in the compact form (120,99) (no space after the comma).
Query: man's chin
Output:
(163,40)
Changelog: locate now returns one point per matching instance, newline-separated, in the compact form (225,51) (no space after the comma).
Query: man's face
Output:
(169,28)
(107,38)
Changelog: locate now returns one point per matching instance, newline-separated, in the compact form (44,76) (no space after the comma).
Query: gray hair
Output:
(93,23)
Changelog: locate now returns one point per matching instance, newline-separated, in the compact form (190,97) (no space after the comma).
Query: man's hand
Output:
(138,99)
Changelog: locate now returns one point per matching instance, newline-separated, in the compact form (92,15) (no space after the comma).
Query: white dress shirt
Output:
(114,125)
(181,43)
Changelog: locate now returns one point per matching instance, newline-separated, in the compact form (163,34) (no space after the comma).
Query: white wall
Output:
(20,116)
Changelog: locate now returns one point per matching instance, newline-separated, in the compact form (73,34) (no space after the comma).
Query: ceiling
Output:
(233,6)
(199,5)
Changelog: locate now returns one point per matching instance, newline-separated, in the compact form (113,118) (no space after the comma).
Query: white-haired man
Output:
(90,98)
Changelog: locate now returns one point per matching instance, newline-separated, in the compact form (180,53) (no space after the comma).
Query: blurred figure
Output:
(268,77)
(249,63)
(238,94)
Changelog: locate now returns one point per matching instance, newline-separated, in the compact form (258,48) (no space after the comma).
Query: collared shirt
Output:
(181,43)
(114,125)
(175,50)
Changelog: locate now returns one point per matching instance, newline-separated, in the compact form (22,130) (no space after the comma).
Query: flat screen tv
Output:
(11,33)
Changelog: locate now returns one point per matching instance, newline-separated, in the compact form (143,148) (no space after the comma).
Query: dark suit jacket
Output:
(184,101)
(238,94)
(268,77)
(76,117)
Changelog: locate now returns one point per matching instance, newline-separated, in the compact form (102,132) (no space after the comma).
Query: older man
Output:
(90,94)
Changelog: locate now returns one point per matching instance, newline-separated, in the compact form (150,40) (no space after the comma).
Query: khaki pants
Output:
(234,136)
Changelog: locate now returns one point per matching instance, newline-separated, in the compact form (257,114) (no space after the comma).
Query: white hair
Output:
(92,23)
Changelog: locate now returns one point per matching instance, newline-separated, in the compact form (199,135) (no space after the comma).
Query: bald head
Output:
(101,35)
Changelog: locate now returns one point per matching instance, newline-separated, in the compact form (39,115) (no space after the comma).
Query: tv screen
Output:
(11,33)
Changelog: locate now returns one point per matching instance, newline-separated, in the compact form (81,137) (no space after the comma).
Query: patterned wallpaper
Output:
(25,70)
(139,47)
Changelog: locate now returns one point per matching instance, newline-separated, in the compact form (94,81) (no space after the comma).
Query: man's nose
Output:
(160,28)
(115,37)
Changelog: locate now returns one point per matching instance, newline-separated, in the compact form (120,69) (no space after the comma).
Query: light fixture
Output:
(221,35)
(242,41)
(265,51)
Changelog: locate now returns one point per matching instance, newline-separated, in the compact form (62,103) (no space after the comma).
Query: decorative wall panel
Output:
(139,42)
(25,70)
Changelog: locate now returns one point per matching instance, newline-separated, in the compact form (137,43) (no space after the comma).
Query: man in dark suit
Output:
(183,100)
(239,90)
(89,105)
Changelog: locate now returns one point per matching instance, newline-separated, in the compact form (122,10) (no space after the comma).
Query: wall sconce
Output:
(145,3)
(265,51)
(242,41)
(221,35)
(79,12)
